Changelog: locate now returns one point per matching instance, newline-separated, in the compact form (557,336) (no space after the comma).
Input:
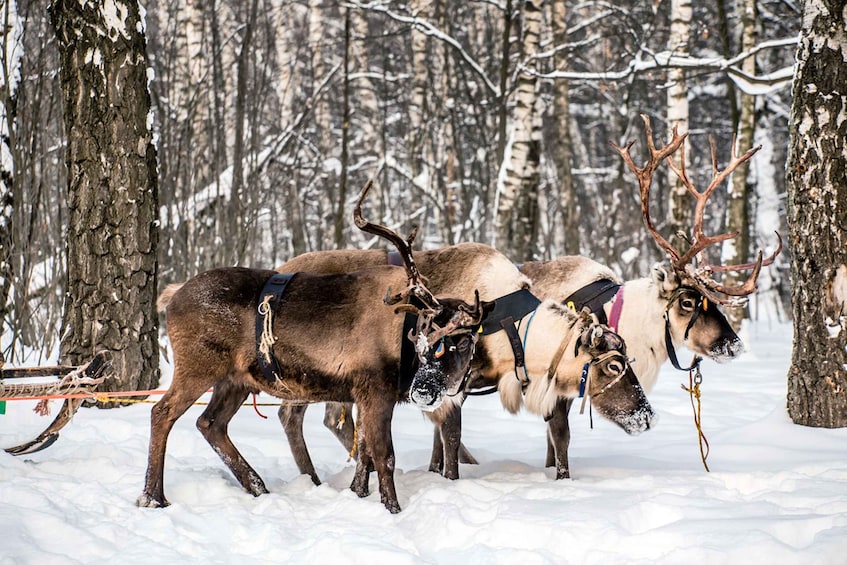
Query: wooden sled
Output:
(71,380)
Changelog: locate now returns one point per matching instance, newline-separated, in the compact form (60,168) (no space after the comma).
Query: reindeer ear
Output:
(665,279)
(596,336)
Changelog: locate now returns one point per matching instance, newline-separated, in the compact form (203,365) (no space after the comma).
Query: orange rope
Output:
(91,395)
(109,396)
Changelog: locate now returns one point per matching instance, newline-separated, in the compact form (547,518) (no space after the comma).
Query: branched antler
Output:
(698,275)
(416,286)
(427,332)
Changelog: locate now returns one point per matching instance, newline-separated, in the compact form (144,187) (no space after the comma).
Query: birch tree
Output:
(517,184)
(679,206)
(11,49)
(112,190)
(737,214)
(568,240)
(817,219)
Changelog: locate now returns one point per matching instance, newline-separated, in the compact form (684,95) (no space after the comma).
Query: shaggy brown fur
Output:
(336,341)
(455,271)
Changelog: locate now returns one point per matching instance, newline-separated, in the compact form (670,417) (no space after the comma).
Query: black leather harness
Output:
(268,303)
(593,296)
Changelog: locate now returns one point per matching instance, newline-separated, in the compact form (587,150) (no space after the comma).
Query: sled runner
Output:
(68,380)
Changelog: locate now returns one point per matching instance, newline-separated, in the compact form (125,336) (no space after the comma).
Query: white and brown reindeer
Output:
(334,339)
(677,305)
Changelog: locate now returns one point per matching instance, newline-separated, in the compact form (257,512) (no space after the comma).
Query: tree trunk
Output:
(568,241)
(735,251)
(112,192)
(238,200)
(679,207)
(517,183)
(340,213)
(817,216)
(10,58)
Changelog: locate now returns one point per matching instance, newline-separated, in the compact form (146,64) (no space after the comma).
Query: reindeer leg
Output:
(213,423)
(436,461)
(375,425)
(466,456)
(451,436)
(291,417)
(338,418)
(558,438)
(364,466)
(173,404)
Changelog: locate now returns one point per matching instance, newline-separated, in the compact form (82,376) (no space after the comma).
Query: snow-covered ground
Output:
(776,493)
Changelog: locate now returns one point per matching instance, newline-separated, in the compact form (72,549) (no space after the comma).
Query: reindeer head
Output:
(609,381)
(447,328)
(686,282)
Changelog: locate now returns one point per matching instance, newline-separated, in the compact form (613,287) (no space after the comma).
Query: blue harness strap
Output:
(268,303)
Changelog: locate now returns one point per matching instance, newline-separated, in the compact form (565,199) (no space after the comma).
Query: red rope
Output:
(256,407)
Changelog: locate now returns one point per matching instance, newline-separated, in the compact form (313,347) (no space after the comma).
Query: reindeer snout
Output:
(427,400)
(640,421)
(727,350)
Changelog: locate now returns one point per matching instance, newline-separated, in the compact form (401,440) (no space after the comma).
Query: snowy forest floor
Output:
(776,492)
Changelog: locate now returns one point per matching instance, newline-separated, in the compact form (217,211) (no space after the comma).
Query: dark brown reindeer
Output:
(464,267)
(335,340)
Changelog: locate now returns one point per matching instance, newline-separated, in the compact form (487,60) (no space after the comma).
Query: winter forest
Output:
(251,127)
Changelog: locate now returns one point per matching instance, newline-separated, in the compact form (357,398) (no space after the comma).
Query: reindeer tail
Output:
(166,296)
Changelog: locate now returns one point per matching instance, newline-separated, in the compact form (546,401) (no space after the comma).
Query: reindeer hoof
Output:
(361,490)
(256,488)
(393,506)
(147,501)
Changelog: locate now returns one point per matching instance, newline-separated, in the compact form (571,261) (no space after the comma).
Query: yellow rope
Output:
(693,389)
(352,453)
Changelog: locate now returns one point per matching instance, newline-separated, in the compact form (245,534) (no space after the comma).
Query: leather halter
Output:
(699,307)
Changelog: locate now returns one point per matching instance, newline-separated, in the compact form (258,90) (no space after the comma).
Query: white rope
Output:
(266,343)
(72,383)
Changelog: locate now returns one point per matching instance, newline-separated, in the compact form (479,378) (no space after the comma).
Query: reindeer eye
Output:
(439,351)
(687,303)
(615,367)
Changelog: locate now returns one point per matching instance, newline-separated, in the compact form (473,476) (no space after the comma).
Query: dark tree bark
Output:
(561,149)
(817,219)
(112,191)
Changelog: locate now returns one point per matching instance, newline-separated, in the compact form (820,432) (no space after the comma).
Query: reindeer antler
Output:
(699,275)
(404,246)
(645,177)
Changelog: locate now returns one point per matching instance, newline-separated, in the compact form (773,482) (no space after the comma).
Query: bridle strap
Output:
(584,382)
(668,341)
(557,357)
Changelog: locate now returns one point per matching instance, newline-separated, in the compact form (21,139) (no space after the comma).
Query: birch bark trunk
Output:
(567,238)
(735,251)
(112,192)
(517,182)
(679,206)
(817,214)
(10,57)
